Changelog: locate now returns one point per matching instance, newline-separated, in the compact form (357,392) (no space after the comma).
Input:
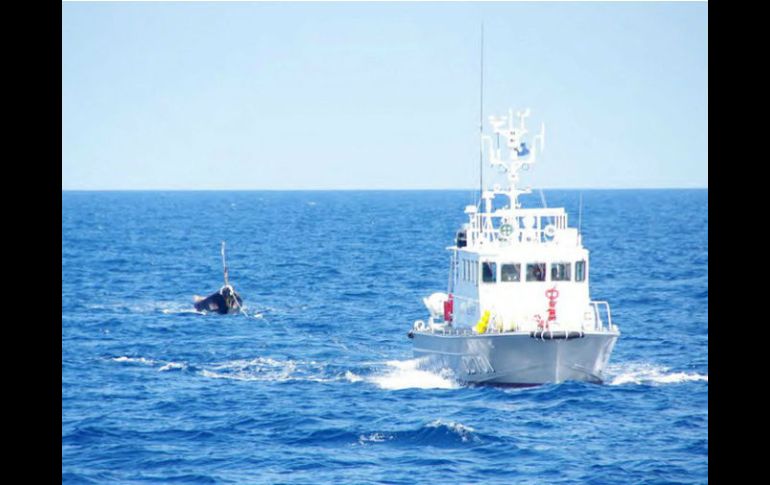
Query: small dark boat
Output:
(224,301)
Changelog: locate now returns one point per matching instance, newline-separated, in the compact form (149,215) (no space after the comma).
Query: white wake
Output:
(644,373)
(406,374)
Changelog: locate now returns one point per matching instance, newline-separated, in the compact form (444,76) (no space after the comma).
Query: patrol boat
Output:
(518,309)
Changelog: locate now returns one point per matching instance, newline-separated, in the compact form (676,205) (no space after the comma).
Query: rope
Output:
(232,301)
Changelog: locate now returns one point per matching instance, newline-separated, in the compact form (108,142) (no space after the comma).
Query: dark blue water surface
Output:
(317,384)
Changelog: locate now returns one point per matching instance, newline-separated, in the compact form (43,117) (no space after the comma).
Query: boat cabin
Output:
(510,274)
(519,269)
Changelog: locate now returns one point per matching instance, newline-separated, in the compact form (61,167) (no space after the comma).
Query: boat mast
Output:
(519,156)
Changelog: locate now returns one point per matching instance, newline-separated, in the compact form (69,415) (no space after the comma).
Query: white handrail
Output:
(598,317)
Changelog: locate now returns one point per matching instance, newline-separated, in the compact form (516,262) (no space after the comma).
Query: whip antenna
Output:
(580,214)
(224,264)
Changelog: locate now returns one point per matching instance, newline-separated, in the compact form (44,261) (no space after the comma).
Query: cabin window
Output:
(488,272)
(561,271)
(580,271)
(536,272)
(510,272)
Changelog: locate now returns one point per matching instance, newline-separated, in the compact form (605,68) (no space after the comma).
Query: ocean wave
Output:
(142,306)
(353,377)
(268,369)
(181,311)
(395,376)
(256,369)
(174,307)
(174,366)
(438,433)
(644,373)
(135,360)
(374,438)
(464,432)
(164,365)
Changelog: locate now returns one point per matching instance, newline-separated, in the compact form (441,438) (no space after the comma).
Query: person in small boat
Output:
(224,301)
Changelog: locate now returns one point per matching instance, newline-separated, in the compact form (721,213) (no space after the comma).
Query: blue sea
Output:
(316,382)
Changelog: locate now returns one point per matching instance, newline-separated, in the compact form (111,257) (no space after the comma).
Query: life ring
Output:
(506,230)
(550,230)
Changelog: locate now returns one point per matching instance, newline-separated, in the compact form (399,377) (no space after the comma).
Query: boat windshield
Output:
(536,272)
(489,272)
(510,272)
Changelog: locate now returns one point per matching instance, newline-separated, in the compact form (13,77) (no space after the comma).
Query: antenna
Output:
(580,213)
(224,264)
(481,119)
(545,206)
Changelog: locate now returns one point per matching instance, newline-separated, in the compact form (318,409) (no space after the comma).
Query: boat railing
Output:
(526,226)
(599,325)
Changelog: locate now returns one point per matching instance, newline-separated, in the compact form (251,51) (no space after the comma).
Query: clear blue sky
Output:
(378,95)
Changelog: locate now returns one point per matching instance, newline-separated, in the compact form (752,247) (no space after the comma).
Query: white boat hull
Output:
(516,358)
